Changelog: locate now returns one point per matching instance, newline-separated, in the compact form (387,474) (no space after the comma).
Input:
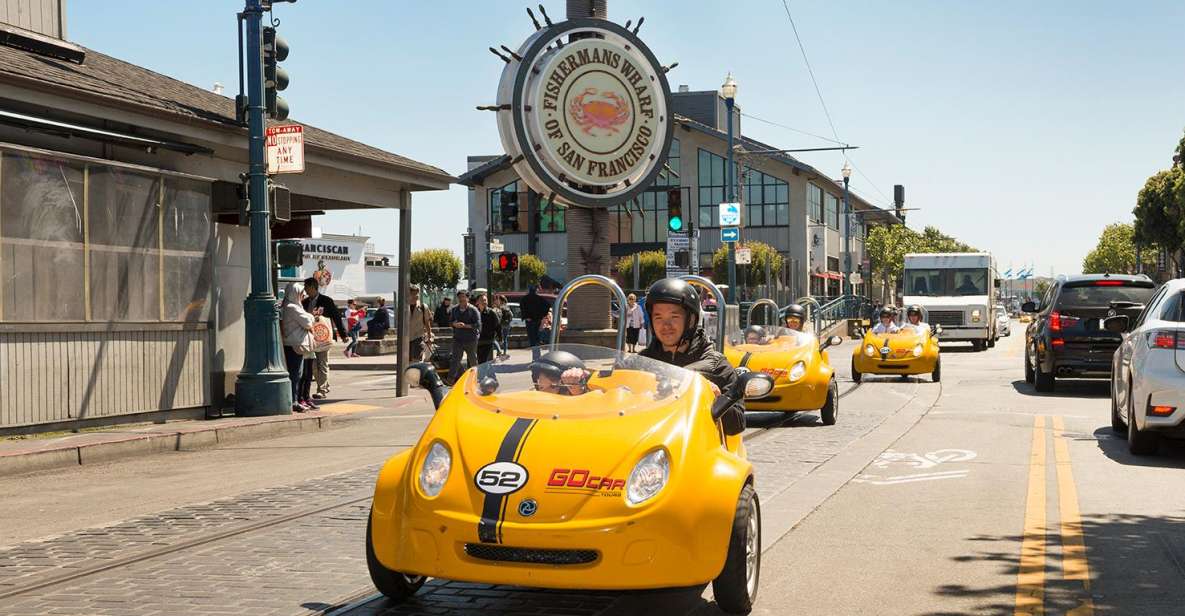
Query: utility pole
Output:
(262,387)
(847,233)
(729,92)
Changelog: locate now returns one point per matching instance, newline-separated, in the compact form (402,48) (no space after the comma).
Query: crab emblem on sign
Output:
(605,110)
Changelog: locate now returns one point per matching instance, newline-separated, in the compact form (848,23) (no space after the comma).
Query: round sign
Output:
(589,113)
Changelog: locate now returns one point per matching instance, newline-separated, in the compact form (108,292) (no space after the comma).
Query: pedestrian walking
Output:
(355,315)
(506,317)
(491,329)
(320,304)
(466,324)
(534,309)
(376,328)
(440,318)
(419,326)
(296,325)
(633,322)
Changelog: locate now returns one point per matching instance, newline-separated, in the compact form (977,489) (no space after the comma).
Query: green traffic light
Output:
(675,223)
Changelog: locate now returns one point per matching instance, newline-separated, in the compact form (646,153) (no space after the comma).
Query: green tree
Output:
(652,266)
(530,270)
(1116,252)
(434,268)
(886,247)
(1158,210)
(1041,288)
(755,274)
(934,240)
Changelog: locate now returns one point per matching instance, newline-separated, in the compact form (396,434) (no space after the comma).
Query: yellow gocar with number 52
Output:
(912,350)
(797,362)
(584,469)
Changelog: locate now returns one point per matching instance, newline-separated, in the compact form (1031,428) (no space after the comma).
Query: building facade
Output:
(786,204)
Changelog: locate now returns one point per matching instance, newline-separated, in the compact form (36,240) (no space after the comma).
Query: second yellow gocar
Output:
(803,377)
(911,351)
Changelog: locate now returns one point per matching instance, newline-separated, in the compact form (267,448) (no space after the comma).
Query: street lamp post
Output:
(729,91)
(847,232)
(262,387)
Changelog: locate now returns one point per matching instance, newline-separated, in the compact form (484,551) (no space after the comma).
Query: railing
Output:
(839,309)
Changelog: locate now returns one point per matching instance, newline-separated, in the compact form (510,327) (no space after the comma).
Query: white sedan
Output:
(1003,322)
(1148,371)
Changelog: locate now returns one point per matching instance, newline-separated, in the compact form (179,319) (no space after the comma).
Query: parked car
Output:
(517,311)
(1066,337)
(1003,321)
(1148,371)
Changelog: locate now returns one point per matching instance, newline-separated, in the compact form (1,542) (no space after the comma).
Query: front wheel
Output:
(831,406)
(394,585)
(936,376)
(736,586)
(856,376)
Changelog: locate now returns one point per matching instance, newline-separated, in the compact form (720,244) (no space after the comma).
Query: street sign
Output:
(730,214)
(730,234)
(678,254)
(856,278)
(285,148)
(496,247)
(744,256)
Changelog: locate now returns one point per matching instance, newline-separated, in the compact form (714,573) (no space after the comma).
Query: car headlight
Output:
(648,477)
(917,350)
(975,316)
(798,371)
(870,350)
(435,470)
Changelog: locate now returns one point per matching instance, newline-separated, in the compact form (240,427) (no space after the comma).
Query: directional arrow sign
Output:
(730,234)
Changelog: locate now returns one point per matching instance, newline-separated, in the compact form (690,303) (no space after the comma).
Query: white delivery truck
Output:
(958,292)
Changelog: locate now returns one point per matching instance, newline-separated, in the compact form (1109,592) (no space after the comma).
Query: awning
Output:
(54,127)
(828,275)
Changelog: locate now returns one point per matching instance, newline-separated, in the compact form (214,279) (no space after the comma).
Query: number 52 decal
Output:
(500,478)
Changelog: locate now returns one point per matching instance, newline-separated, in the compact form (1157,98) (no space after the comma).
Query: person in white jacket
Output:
(295,325)
(886,325)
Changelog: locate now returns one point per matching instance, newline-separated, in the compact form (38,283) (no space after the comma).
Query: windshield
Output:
(772,338)
(946,282)
(575,381)
(1094,295)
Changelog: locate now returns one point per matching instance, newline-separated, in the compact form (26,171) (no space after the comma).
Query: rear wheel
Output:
(936,376)
(831,406)
(1116,421)
(394,585)
(736,586)
(1042,380)
(1139,442)
(991,342)
(1029,376)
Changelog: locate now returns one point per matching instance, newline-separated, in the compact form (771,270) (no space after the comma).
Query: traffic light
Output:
(275,51)
(507,262)
(675,210)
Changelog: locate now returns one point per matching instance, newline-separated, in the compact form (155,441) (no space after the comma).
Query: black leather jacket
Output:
(701,356)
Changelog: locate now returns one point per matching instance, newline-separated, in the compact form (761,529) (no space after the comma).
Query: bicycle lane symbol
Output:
(925,467)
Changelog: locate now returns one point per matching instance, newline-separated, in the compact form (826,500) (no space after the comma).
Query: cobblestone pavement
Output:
(315,563)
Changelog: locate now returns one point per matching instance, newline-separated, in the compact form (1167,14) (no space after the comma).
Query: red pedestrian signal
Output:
(507,262)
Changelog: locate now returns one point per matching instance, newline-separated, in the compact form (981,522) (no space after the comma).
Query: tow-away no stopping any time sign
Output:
(285,148)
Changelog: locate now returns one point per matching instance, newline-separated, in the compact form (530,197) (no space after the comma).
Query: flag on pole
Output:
(1008,274)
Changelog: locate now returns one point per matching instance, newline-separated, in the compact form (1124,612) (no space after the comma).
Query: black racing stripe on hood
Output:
(493,508)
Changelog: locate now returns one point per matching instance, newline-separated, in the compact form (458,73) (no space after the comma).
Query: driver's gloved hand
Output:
(733,421)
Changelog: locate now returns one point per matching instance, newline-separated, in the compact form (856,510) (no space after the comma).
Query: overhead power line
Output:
(791,128)
(811,71)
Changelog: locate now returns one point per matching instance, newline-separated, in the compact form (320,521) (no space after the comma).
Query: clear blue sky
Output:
(1022,128)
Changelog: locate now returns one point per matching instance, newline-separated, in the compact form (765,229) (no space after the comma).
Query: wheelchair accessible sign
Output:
(730,214)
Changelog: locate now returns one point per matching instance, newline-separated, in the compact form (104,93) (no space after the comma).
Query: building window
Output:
(508,211)
(767,200)
(832,211)
(814,202)
(710,182)
(138,241)
(549,217)
(642,220)
(673,176)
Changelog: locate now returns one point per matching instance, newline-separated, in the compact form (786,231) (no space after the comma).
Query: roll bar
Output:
(711,287)
(583,281)
(812,312)
(763,302)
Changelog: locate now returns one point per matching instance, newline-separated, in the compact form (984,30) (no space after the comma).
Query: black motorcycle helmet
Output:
(758,330)
(553,364)
(914,309)
(887,311)
(678,292)
(795,310)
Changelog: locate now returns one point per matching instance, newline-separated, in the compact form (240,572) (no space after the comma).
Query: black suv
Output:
(1067,338)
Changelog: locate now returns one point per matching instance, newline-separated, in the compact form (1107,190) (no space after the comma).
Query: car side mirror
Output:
(830,342)
(1117,324)
(423,376)
(1028,307)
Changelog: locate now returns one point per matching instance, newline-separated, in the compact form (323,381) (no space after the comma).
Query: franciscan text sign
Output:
(285,149)
(587,113)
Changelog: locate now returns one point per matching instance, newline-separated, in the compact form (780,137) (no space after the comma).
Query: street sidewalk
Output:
(120,442)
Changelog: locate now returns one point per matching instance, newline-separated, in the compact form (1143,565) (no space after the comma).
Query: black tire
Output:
(1043,381)
(394,585)
(1117,425)
(736,586)
(936,376)
(991,342)
(1029,374)
(1139,442)
(856,376)
(831,407)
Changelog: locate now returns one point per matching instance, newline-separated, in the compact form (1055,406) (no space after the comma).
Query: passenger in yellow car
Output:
(560,372)
(886,325)
(755,334)
(914,321)
(795,317)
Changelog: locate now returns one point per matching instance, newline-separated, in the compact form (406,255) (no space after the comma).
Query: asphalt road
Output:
(973,496)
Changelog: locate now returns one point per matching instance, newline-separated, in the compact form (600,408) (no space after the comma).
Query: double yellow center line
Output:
(1030,579)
